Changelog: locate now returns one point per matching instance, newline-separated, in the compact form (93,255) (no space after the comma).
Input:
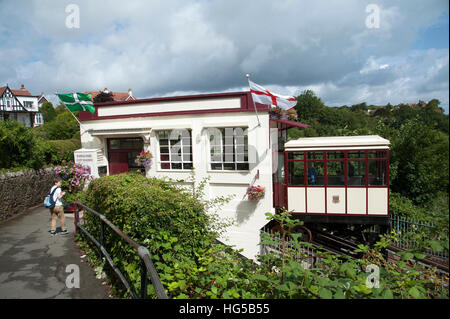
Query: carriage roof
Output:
(338,142)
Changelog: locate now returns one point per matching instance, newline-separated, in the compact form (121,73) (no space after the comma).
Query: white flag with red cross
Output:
(263,96)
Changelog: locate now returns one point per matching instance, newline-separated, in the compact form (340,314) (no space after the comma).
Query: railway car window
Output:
(377,154)
(335,155)
(356,154)
(315,155)
(295,156)
(356,173)
(297,173)
(335,173)
(316,173)
(377,173)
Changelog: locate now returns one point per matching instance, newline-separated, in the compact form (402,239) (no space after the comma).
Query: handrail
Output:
(147,266)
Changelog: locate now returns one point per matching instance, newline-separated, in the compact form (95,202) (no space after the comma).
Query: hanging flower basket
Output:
(292,115)
(275,113)
(255,193)
(144,159)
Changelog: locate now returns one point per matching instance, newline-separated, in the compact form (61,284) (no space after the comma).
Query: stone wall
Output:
(22,190)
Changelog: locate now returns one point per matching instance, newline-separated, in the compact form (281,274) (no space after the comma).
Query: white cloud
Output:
(162,47)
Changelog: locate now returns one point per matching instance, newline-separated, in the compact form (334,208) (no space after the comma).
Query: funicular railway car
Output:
(339,185)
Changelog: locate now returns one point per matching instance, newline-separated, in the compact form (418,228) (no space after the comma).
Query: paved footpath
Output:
(33,265)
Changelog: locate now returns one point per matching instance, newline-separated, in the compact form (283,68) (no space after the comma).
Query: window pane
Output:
(377,173)
(132,143)
(163,135)
(335,155)
(356,154)
(335,173)
(187,166)
(229,166)
(295,156)
(131,157)
(315,173)
(377,154)
(175,165)
(356,173)
(165,165)
(296,173)
(242,166)
(216,166)
(315,155)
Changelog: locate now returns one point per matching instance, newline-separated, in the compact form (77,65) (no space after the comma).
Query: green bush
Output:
(17,145)
(168,220)
(57,151)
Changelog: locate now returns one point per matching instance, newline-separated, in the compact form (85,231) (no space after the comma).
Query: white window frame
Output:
(181,160)
(223,150)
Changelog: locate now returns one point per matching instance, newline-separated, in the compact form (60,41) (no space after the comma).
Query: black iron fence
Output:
(147,267)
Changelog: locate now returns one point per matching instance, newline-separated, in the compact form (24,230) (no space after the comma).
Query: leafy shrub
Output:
(155,213)
(172,223)
(60,150)
(17,145)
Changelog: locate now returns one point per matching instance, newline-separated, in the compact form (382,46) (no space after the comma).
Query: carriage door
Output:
(122,153)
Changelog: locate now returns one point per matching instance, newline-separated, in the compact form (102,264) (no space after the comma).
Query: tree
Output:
(308,106)
(103,97)
(48,112)
(359,107)
(17,146)
(421,155)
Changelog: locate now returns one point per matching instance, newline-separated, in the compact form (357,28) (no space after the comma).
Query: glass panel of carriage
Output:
(338,169)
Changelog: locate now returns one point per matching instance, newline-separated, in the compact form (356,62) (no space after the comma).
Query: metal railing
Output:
(404,226)
(147,266)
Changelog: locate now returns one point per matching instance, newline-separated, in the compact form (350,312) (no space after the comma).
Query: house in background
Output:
(41,100)
(21,106)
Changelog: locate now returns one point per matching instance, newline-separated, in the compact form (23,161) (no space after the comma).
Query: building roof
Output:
(21,92)
(117,96)
(291,123)
(42,98)
(337,141)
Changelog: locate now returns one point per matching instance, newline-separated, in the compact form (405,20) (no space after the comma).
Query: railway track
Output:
(339,245)
(331,243)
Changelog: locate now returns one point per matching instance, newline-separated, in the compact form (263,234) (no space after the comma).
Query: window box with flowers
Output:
(144,159)
(255,193)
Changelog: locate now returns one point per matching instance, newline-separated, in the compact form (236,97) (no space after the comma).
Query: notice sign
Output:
(86,159)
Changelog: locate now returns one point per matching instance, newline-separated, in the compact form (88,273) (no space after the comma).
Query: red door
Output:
(118,162)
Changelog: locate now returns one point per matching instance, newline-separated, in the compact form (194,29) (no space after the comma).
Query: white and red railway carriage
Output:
(338,180)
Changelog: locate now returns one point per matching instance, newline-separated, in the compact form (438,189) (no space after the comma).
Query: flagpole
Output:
(254,105)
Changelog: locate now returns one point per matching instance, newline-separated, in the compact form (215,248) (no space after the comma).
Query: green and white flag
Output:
(78,102)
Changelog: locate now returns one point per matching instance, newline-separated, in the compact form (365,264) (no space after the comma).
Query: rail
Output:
(147,266)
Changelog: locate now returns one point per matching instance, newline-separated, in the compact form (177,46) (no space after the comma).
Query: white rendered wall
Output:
(249,217)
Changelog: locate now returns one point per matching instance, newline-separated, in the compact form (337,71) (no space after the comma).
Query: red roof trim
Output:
(291,123)
(246,106)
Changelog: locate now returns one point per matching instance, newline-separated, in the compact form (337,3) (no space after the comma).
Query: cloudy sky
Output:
(347,52)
